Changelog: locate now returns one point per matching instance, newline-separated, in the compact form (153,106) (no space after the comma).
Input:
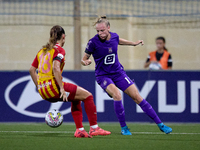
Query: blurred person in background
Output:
(160,59)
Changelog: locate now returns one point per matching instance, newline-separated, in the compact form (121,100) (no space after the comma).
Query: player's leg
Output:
(76,111)
(76,95)
(132,91)
(146,107)
(52,91)
(109,86)
(123,82)
(90,109)
(114,92)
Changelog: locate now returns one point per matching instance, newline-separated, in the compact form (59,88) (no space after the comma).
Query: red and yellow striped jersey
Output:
(47,86)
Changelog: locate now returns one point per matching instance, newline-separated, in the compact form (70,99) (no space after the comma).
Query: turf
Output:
(38,136)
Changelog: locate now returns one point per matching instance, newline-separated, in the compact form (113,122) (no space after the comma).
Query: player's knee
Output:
(87,94)
(137,97)
(82,94)
(117,96)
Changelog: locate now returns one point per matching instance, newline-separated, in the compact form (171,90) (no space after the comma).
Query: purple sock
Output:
(119,110)
(147,108)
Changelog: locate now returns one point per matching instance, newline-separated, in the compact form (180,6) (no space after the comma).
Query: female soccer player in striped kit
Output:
(50,62)
(110,74)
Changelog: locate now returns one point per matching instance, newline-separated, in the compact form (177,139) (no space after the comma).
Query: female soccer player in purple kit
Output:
(110,74)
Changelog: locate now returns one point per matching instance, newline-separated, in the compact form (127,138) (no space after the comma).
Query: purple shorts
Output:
(119,79)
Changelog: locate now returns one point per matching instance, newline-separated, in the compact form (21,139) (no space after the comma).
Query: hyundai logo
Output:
(29,97)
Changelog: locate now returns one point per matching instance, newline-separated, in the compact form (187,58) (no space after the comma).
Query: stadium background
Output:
(25,25)
(175,95)
(24,28)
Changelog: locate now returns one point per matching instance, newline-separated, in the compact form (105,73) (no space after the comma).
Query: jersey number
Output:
(44,63)
(127,80)
(109,59)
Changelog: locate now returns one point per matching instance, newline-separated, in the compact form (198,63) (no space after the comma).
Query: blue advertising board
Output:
(174,95)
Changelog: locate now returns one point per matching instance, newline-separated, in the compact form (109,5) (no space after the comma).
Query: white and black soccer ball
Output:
(54,118)
(155,66)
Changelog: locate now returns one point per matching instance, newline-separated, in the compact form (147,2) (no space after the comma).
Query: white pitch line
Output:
(148,133)
(164,133)
(36,131)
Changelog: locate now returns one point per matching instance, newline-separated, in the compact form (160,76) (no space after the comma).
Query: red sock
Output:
(76,111)
(90,109)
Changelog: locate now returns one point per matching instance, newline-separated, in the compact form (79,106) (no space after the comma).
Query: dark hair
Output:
(101,19)
(56,33)
(163,39)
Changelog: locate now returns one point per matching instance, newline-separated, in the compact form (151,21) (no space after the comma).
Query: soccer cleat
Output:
(98,131)
(125,131)
(164,128)
(81,134)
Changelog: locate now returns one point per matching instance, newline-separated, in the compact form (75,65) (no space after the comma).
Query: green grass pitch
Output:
(38,136)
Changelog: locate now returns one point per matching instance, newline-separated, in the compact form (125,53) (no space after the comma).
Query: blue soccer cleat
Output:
(164,128)
(125,131)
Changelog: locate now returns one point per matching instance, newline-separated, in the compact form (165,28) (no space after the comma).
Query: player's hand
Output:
(86,62)
(141,42)
(63,95)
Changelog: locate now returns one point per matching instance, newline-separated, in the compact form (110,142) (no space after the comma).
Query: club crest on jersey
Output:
(110,50)
(104,82)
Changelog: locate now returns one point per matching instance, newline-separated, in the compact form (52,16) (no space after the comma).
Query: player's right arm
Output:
(86,60)
(58,77)
(33,72)
(88,51)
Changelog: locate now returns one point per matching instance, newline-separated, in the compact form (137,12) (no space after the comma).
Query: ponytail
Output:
(165,48)
(101,19)
(55,35)
(163,39)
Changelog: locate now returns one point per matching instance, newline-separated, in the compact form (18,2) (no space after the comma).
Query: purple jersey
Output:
(105,54)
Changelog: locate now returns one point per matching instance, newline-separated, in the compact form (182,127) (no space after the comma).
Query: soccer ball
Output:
(155,66)
(54,118)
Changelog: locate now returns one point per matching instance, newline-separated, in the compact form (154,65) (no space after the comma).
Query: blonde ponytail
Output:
(101,19)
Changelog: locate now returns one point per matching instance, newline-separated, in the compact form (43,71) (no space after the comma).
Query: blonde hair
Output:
(55,35)
(102,19)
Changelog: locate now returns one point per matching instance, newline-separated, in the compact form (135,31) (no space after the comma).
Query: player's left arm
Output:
(33,74)
(58,76)
(130,43)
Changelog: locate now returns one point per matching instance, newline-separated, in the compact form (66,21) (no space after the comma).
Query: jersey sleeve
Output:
(117,38)
(90,47)
(35,62)
(170,62)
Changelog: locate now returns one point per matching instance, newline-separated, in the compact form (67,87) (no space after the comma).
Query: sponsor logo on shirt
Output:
(44,85)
